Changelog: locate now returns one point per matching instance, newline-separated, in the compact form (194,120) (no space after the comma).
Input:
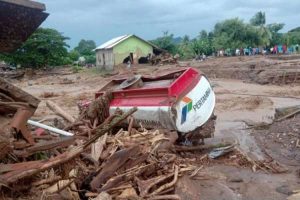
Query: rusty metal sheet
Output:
(18,20)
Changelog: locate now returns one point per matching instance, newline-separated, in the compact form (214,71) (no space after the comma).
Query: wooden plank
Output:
(17,94)
(17,171)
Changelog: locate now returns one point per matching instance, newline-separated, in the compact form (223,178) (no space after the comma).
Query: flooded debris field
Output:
(254,153)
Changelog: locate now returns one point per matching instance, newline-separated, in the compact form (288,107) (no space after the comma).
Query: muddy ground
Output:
(246,94)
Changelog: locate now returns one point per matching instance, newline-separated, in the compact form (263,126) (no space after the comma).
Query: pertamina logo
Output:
(187,108)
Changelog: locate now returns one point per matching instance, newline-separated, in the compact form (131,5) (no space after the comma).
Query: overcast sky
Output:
(101,20)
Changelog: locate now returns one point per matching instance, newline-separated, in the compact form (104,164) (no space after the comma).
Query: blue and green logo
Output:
(186,109)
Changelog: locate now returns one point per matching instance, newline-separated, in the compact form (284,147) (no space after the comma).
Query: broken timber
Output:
(15,172)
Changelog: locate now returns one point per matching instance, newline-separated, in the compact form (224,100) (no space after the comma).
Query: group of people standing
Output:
(250,51)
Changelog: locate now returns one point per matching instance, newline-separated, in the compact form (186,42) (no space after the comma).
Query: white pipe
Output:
(52,129)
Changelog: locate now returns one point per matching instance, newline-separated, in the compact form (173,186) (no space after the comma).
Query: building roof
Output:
(113,42)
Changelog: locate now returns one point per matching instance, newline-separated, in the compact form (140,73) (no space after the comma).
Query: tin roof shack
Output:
(121,50)
(18,20)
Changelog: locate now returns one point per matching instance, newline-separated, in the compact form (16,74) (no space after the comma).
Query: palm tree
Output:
(259,21)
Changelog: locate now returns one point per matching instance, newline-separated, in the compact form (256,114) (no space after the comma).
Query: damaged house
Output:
(123,49)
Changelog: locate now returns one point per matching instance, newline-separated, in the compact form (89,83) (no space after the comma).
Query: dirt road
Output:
(240,101)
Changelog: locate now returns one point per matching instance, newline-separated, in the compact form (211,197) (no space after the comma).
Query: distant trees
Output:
(292,37)
(166,42)
(231,34)
(202,44)
(84,49)
(259,19)
(184,48)
(45,47)
(274,29)
(234,33)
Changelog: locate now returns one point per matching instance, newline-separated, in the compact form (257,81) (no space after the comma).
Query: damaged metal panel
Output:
(18,20)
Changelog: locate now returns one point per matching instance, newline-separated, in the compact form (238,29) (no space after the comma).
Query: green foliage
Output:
(275,27)
(90,59)
(45,47)
(74,55)
(228,35)
(292,38)
(234,33)
(277,38)
(76,68)
(202,45)
(166,42)
(184,48)
(265,36)
(295,30)
(85,48)
(259,19)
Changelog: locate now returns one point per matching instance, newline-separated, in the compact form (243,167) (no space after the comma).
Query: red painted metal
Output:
(184,81)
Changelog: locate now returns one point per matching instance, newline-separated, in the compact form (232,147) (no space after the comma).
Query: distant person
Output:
(275,49)
(280,49)
(264,51)
(221,53)
(250,51)
(203,56)
(241,51)
(284,49)
(237,52)
(128,64)
(254,51)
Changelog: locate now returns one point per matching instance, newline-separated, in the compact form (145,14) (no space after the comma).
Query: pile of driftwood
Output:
(164,58)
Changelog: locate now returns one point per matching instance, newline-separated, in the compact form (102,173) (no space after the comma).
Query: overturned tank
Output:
(181,100)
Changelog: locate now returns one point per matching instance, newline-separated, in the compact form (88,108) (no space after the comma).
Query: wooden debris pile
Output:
(105,159)
(164,58)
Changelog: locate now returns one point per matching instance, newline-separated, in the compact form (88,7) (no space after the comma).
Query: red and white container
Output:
(182,100)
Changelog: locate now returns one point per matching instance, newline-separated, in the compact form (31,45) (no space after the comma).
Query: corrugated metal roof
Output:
(113,42)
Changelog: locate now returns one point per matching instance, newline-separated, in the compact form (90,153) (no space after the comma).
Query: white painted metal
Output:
(202,107)
(113,42)
(52,129)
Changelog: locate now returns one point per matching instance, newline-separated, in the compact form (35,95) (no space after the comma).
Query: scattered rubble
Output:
(105,161)
(164,58)
(280,139)
(283,70)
